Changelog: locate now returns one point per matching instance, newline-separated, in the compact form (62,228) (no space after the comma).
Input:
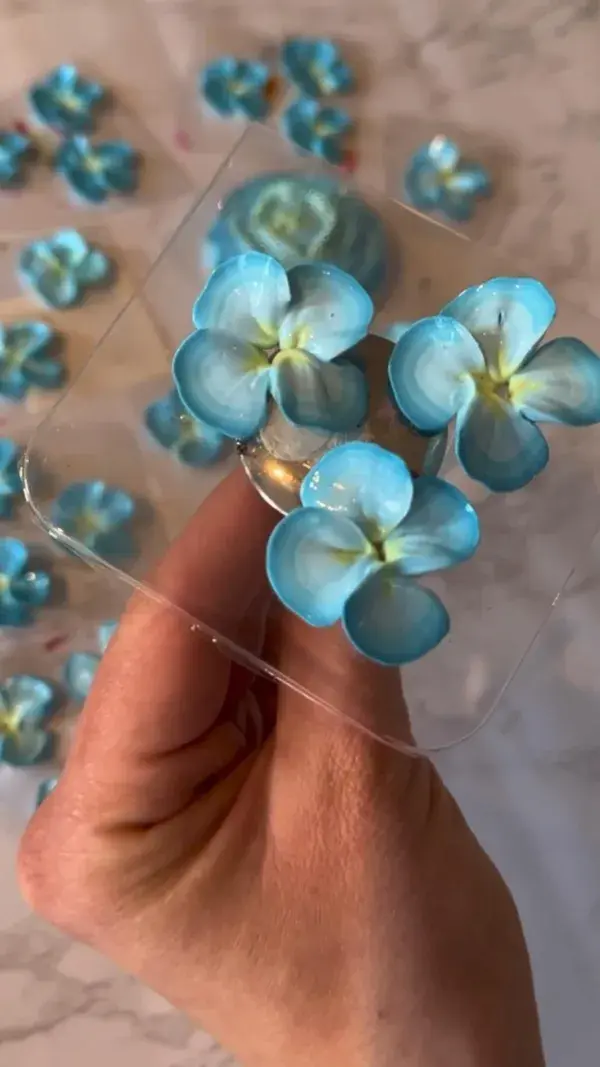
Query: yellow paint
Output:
(255,360)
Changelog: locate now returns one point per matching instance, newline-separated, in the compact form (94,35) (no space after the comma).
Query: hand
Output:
(312,897)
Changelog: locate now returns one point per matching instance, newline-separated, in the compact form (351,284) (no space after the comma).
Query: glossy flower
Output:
(97,171)
(236,87)
(354,548)
(315,66)
(96,516)
(480,361)
(66,101)
(15,151)
(60,268)
(29,356)
(317,129)
(44,789)
(80,668)
(21,590)
(10,483)
(27,704)
(261,332)
(193,442)
(438,179)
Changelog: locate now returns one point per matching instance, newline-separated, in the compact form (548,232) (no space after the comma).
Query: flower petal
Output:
(325,396)
(222,381)
(440,530)
(31,588)
(330,311)
(114,506)
(214,85)
(315,560)
(26,747)
(163,419)
(70,247)
(95,269)
(507,317)
(46,371)
(105,632)
(246,297)
(30,699)
(298,123)
(79,672)
(121,165)
(13,556)
(443,153)
(498,446)
(74,499)
(363,482)
(392,620)
(560,384)
(9,453)
(422,183)
(430,371)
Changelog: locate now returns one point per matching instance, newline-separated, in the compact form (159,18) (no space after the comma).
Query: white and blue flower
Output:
(95,171)
(480,361)
(97,517)
(11,488)
(262,332)
(81,667)
(27,704)
(438,179)
(16,150)
(236,87)
(317,129)
(352,552)
(62,267)
(29,357)
(66,101)
(22,590)
(315,66)
(193,442)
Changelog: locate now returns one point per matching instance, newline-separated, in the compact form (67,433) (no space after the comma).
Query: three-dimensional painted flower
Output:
(236,87)
(315,66)
(480,361)
(22,590)
(97,171)
(44,789)
(317,129)
(27,704)
(352,552)
(97,516)
(29,356)
(16,150)
(81,667)
(62,267)
(10,482)
(263,332)
(66,101)
(192,441)
(438,179)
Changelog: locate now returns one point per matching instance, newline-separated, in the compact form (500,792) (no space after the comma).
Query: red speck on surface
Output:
(22,127)
(271,88)
(349,162)
(53,643)
(183,140)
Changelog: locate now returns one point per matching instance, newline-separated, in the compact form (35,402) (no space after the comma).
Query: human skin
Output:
(313,899)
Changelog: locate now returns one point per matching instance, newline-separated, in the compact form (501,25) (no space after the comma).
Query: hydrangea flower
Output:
(62,267)
(193,442)
(21,590)
(317,129)
(15,151)
(80,667)
(236,87)
(480,361)
(438,179)
(10,481)
(44,789)
(352,552)
(96,516)
(27,704)
(29,356)
(315,66)
(97,171)
(263,332)
(66,101)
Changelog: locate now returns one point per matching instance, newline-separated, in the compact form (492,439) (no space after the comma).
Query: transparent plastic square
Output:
(498,601)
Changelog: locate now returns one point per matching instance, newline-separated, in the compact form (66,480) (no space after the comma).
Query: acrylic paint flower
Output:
(315,66)
(11,488)
(480,361)
(95,171)
(27,704)
(193,442)
(29,357)
(261,333)
(16,150)
(66,101)
(437,178)
(352,552)
(61,268)
(80,668)
(22,590)
(96,517)
(236,87)
(317,129)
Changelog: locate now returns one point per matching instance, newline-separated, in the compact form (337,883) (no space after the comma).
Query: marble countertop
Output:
(518,79)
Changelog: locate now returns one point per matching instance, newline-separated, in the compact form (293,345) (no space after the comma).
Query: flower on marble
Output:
(66,101)
(480,361)
(97,517)
(352,551)
(95,171)
(22,590)
(315,66)
(62,267)
(437,178)
(16,150)
(10,482)
(317,129)
(29,357)
(44,789)
(81,667)
(193,442)
(236,87)
(263,332)
(27,704)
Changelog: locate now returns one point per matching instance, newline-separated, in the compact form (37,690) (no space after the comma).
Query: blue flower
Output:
(193,442)
(10,482)
(261,332)
(97,517)
(354,548)
(27,704)
(66,101)
(480,361)
(236,87)
(96,171)
(15,151)
(438,179)
(60,268)
(44,789)
(315,66)
(29,356)
(80,668)
(317,129)
(21,590)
